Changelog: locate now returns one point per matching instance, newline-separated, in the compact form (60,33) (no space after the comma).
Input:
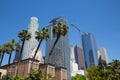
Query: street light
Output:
(75,27)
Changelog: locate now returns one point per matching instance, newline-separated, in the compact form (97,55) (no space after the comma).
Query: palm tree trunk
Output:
(36,53)
(21,51)
(54,45)
(50,53)
(1,58)
(9,57)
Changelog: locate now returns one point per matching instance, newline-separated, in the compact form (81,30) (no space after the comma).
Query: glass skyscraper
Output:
(61,53)
(89,49)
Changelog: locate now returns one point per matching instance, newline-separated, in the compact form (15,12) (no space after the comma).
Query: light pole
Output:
(81,45)
(75,27)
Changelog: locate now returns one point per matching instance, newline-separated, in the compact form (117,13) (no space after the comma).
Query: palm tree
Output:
(11,46)
(2,52)
(23,35)
(17,47)
(59,29)
(40,35)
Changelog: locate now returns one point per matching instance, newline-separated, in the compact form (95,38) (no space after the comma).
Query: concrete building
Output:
(73,64)
(23,68)
(31,44)
(59,72)
(61,55)
(103,53)
(89,49)
(79,57)
(27,62)
(2,72)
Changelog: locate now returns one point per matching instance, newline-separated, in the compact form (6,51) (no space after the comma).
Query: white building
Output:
(2,72)
(73,64)
(103,53)
(31,44)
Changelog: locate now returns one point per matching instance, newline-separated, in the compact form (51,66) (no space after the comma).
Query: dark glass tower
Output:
(61,53)
(90,49)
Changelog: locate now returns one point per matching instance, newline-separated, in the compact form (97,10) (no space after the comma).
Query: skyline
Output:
(102,18)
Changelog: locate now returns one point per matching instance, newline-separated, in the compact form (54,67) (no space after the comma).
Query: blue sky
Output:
(100,17)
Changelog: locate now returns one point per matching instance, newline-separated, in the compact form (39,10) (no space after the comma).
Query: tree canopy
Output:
(105,71)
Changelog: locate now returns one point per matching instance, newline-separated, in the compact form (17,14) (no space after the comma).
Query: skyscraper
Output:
(73,64)
(90,49)
(31,44)
(79,57)
(103,54)
(61,54)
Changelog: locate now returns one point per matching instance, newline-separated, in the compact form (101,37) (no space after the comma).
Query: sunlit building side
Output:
(89,49)
(103,54)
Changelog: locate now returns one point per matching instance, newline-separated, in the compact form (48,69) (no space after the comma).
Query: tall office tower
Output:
(61,54)
(103,53)
(79,57)
(73,64)
(31,44)
(90,49)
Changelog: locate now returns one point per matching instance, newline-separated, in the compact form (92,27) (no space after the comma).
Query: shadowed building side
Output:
(79,57)
(61,55)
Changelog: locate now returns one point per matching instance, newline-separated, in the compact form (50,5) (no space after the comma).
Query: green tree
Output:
(11,46)
(38,75)
(6,77)
(2,52)
(59,29)
(93,73)
(50,77)
(35,75)
(78,77)
(104,71)
(23,35)
(40,35)
(114,68)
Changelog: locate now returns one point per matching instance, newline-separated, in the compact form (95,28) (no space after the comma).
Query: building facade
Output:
(23,69)
(2,72)
(31,44)
(90,49)
(61,55)
(103,54)
(73,64)
(79,57)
